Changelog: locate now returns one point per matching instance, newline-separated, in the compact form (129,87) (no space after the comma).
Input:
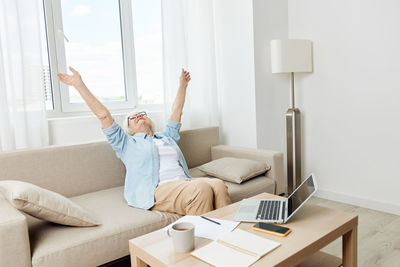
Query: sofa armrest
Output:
(273,158)
(14,241)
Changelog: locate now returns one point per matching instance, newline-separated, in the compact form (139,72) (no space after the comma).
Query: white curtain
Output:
(188,42)
(23,121)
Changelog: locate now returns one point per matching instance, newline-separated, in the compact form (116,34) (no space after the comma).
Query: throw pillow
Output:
(45,204)
(235,170)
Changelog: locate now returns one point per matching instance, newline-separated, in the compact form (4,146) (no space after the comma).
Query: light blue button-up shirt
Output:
(140,157)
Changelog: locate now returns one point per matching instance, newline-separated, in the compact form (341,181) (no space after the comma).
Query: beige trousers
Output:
(192,197)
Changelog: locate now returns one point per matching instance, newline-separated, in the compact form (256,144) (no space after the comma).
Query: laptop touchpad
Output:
(248,209)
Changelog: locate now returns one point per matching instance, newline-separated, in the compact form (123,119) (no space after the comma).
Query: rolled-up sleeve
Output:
(172,130)
(117,138)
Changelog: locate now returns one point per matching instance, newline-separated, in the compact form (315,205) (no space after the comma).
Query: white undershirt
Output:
(170,169)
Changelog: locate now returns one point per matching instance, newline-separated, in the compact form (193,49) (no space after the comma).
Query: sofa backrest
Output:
(82,168)
(196,145)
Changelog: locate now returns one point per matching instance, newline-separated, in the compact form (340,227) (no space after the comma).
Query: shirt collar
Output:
(144,135)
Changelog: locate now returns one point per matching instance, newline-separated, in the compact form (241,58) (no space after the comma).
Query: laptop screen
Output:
(300,195)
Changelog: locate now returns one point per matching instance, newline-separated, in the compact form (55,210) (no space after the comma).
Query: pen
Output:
(210,220)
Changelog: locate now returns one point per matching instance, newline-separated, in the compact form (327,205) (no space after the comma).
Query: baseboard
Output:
(361,202)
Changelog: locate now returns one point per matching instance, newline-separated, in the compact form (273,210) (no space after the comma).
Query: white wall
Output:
(351,121)
(235,68)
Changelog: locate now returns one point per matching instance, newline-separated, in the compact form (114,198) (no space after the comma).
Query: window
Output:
(115,45)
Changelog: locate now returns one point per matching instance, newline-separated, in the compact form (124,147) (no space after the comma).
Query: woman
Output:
(157,176)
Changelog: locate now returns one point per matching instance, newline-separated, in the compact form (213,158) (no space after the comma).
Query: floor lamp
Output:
(290,56)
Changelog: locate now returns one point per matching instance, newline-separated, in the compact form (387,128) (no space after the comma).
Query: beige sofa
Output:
(92,176)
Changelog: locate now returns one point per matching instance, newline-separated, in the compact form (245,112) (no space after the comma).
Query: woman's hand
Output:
(184,79)
(75,79)
(101,112)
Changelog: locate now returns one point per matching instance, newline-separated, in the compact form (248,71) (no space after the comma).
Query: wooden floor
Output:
(378,235)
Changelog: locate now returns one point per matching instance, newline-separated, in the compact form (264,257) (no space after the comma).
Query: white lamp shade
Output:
(291,55)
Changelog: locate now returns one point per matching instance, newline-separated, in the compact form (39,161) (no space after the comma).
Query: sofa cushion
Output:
(235,170)
(57,245)
(45,204)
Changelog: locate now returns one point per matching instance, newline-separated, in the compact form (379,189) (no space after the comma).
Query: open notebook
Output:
(238,248)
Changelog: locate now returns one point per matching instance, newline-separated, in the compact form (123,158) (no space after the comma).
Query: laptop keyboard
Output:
(268,210)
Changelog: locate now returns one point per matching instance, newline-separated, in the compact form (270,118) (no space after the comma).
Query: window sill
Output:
(90,119)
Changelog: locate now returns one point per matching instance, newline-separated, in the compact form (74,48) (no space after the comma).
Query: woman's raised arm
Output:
(177,106)
(101,112)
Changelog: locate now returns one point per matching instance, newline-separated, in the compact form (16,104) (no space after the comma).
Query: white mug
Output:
(182,236)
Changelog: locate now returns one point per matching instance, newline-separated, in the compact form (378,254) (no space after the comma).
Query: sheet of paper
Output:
(207,229)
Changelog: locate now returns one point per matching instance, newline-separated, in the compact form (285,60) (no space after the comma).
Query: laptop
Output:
(274,210)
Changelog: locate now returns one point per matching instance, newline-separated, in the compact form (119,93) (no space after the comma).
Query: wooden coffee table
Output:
(313,227)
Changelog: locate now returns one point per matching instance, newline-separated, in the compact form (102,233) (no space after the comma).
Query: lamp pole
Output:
(293,143)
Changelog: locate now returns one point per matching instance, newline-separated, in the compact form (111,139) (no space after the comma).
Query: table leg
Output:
(137,262)
(349,248)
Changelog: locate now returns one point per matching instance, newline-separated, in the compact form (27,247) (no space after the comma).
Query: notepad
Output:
(238,248)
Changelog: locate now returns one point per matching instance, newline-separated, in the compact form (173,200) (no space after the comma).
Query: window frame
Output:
(57,61)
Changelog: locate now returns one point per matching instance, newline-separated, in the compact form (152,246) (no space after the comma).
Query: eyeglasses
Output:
(134,116)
